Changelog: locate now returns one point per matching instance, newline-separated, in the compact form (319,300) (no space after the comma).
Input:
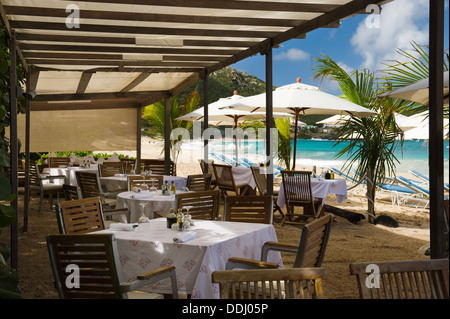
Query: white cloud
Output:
(293,55)
(401,22)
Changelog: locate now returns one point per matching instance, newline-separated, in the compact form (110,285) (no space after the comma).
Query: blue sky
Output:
(353,45)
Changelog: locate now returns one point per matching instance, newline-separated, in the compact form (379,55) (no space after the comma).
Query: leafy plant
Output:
(284,141)
(154,114)
(372,140)
(9,278)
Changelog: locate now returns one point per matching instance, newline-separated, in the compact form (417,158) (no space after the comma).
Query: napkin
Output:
(184,237)
(122,226)
(141,196)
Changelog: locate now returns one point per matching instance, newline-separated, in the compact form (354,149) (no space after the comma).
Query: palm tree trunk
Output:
(370,195)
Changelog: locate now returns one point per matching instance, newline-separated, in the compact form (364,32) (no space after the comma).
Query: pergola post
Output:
(14,147)
(138,135)
(167,135)
(269,117)
(205,122)
(27,160)
(436,151)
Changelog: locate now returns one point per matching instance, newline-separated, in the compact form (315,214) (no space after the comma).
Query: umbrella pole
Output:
(295,138)
(236,139)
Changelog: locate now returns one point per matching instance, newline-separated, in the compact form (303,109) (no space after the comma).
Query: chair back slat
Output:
(88,183)
(260,180)
(80,216)
(108,169)
(288,283)
(313,242)
(99,277)
(249,209)
(411,279)
(149,181)
(58,161)
(157,166)
(205,204)
(199,182)
(71,192)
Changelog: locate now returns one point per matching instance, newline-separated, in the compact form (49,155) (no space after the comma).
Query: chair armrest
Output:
(48,177)
(272,245)
(151,277)
(243,263)
(117,211)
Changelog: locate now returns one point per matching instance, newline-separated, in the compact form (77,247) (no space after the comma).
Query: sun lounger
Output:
(223,159)
(426,179)
(420,192)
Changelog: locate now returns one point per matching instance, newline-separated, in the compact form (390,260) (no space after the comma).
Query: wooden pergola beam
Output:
(138,80)
(119,49)
(126,41)
(141,16)
(19,24)
(231,5)
(141,95)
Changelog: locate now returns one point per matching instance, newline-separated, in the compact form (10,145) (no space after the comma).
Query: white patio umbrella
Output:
(405,123)
(421,130)
(218,115)
(304,99)
(418,91)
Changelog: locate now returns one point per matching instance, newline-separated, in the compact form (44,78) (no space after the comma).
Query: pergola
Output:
(124,54)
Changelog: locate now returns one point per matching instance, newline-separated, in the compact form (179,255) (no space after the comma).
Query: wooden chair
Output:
(71,192)
(298,193)
(80,216)
(58,161)
(410,279)
(302,283)
(139,181)
(261,185)
(205,204)
(199,182)
(89,184)
(108,169)
(45,184)
(249,209)
(100,275)
(129,165)
(157,166)
(210,170)
(225,180)
(309,253)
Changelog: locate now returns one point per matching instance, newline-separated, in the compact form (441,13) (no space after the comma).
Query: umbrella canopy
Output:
(303,99)
(404,122)
(219,115)
(421,130)
(418,91)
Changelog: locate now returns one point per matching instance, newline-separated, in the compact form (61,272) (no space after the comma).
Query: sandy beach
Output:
(348,242)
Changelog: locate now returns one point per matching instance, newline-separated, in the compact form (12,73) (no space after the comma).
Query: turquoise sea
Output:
(322,153)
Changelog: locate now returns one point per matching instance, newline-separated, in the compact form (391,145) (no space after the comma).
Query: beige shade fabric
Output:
(74,130)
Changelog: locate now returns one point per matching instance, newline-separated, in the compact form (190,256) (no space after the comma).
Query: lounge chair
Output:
(276,168)
(355,186)
(421,193)
(222,158)
(426,179)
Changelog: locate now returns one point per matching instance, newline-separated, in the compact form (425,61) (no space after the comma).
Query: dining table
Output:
(120,182)
(320,188)
(146,203)
(206,248)
(243,175)
(69,172)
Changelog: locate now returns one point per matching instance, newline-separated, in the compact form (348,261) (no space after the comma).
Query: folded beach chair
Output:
(223,159)
(426,179)
(422,194)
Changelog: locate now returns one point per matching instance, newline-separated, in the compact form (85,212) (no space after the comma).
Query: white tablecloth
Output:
(151,202)
(320,189)
(115,183)
(243,175)
(69,172)
(151,246)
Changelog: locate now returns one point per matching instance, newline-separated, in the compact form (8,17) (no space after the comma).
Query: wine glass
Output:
(144,175)
(153,188)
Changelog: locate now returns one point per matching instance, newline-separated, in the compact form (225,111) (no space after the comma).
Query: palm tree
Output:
(154,114)
(415,67)
(371,140)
